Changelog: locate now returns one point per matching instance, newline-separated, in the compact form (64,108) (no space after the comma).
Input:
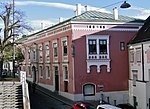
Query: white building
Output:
(139,69)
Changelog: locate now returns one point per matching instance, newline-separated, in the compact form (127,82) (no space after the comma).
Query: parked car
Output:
(83,105)
(125,106)
(107,106)
(4,73)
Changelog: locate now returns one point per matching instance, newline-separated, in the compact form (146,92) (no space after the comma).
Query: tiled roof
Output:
(97,16)
(143,34)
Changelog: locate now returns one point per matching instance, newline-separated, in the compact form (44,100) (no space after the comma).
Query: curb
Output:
(45,91)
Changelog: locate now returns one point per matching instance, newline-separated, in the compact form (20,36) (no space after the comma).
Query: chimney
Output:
(60,19)
(87,8)
(78,9)
(115,12)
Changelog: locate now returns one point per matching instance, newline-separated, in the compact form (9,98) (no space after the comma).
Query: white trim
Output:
(66,65)
(98,61)
(116,23)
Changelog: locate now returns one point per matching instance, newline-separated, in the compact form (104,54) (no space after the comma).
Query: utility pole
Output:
(13,42)
(0,56)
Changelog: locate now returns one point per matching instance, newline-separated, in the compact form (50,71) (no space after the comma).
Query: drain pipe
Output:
(143,63)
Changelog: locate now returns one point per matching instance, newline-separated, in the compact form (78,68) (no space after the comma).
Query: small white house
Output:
(139,68)
(8,66)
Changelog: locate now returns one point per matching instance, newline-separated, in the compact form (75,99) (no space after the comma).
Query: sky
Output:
(45,13)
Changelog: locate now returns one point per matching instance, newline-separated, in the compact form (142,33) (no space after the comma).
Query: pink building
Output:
(82,58)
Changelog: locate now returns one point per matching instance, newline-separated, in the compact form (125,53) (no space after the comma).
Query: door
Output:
(34,74)
(149,103)
(56,78)
(134,102)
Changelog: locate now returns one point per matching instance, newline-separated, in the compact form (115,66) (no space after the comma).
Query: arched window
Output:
(89,89)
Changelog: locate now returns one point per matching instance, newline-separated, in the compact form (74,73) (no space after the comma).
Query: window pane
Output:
(64,48)
(131,56)
(89,89)
(103,46)
(122,46)
(138,55)
(47,71)
(92,47)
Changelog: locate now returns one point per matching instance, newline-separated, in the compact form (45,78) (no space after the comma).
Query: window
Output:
(40,53)
(122,46)
(135,72)
(103,46)
(28,54)
(65,71)
(34,54)
(29,71)
(132,56)
(138,55)
(47,52)
(47,72)
(55,49)
(41,71)
(89,89)
(65,48)
(92,46)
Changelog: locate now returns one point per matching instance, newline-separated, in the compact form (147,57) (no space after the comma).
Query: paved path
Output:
(39,100)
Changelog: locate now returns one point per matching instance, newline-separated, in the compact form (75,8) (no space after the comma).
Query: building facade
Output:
(139,61)
(82,58)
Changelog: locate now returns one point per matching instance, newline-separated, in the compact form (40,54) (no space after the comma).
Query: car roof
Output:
(81,102)
(107,106)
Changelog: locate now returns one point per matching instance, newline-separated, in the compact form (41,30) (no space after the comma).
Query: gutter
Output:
(143,62)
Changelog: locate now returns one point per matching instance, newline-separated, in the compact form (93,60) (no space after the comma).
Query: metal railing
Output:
(26,99)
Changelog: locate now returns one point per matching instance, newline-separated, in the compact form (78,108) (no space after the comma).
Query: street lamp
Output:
(125,5)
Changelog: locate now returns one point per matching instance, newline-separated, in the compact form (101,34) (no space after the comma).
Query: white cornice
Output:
(108,23)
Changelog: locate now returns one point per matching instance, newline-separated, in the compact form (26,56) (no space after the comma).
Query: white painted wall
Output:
(142,89)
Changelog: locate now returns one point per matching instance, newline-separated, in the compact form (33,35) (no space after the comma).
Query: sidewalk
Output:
(61,98)
(55,96)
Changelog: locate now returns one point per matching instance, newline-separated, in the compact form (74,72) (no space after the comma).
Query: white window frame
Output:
(135,76)
(34,54)
(138,55)
(47,71)
(29,54)
(65,72)
(41,71)
(131,56)
(47,52)
(40,51)
(97,38)
(87,91)
(29,71)
(55,46)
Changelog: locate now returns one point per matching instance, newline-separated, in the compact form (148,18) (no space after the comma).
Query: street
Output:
(39,100)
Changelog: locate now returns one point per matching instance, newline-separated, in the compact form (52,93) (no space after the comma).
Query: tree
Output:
(13,24)
(19,57)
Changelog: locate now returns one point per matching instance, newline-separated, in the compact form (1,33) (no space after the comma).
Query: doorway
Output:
(135,102)
(149,103)
(34,73)
(56,78)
